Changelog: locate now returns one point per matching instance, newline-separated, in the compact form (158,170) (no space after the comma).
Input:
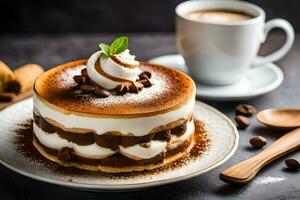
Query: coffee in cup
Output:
(219,40)
(217,16)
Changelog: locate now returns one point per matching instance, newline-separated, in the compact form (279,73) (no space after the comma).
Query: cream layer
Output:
(139,126)
(93,151)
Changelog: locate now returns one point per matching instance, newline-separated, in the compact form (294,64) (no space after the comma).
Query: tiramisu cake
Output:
(112,113)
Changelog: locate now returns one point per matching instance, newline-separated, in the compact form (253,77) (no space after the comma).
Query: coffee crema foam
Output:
(217,16)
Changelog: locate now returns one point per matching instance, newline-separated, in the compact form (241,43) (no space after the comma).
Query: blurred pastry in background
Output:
(24,78)
(17,83)
(6,75)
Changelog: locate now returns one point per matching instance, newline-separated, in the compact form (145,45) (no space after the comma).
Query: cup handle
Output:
(290,37)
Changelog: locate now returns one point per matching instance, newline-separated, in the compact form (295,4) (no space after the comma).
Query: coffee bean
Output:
(292,164)
(79,79)
(65,154)
(76,86)
(136,87)
(84,72)
(77,90)
(122,89)
(146,82)
(87,89)
(102,93)
(258,141)
(242,122)
(145,75)
(245,109)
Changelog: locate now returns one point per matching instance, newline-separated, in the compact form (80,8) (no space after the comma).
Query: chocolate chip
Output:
(84,72)
(87,89)
(122,89)
(102,93)
(145,75)
(79,79)
(146,82)
(242,121)
(258,141)
(292,164)
(136,87)
(65,154)
(245,109)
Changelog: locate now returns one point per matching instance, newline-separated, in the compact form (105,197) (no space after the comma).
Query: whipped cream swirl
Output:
(113,71)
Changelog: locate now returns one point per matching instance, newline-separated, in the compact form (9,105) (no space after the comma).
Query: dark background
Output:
(61,16)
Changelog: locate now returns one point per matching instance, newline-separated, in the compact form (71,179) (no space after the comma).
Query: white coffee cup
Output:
(220,54)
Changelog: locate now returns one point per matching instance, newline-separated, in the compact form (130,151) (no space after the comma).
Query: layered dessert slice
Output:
(112,113)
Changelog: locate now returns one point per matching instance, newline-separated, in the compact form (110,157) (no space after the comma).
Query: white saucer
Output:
(257,81)
(221,131)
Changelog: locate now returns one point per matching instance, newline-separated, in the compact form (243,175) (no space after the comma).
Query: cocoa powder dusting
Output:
(24,137)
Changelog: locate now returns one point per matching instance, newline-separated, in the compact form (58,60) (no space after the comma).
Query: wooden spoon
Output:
(245,171)
(275,118)
(280,118)
(19,97)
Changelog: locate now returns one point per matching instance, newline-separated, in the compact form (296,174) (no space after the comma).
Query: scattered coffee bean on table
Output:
(258,141)
(245,110)
(242,121)
(292,164)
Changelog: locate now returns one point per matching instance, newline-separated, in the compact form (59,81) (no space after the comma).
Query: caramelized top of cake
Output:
(170,89)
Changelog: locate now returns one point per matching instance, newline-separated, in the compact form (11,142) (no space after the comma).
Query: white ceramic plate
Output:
(257,81)
(222,133)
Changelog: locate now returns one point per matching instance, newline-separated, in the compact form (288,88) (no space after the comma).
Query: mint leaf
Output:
(119,45)
(105,49)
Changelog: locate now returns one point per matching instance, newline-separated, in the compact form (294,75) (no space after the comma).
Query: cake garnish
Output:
(118,46)
(113,70)
(122,89)
(136,87)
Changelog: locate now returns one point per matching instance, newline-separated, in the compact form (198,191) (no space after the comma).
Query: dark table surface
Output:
(273,182)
